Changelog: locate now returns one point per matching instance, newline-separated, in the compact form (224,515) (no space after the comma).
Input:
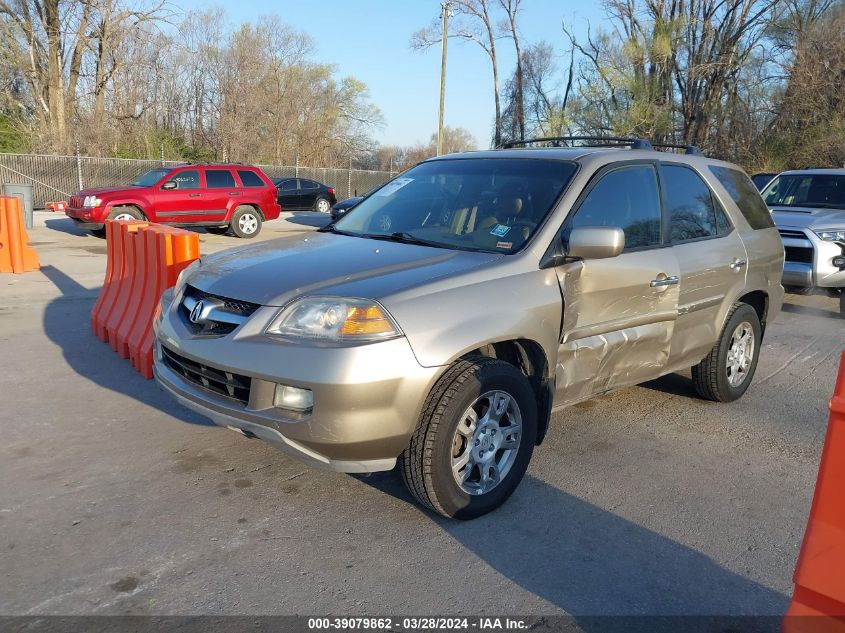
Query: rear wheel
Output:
(475,439)
(246,222)
(322,205)
(726,372)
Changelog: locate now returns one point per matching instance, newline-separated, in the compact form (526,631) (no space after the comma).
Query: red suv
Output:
(221,198)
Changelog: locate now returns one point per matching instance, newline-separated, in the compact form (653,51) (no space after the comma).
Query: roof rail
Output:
(688,149)
(597,141)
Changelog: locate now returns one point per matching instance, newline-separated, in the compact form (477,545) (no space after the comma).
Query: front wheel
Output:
(475,439)
(246,222)
(726,372)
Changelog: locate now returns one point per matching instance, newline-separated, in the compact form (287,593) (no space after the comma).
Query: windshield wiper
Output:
(405,238)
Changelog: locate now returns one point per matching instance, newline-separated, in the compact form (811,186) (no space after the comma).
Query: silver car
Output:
(441,322)
(808,207)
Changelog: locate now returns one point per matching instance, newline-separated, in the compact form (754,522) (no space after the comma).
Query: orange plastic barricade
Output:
(59,207)
(123,299)
(16,256)
(143,261)
(818,603)
(170,250)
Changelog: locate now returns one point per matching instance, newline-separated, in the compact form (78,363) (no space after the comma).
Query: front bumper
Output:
(367,398)
(86,217)
(809,260)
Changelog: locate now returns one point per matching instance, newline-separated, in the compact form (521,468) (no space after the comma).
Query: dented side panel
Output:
(617,327)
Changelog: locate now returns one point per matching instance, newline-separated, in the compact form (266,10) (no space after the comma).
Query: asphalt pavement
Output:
(115,500)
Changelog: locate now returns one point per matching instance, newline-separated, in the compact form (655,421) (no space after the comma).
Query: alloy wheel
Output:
(740,354)
(486,442)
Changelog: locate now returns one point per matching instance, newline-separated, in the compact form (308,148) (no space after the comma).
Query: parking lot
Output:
(647,501)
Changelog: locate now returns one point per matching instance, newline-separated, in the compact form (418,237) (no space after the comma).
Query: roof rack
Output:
(688,149)
(597,141)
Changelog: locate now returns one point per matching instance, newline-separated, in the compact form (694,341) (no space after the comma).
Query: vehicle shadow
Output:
(793,308)
(310,218)
(591,562)
(674,384)
(65,225)
(67,323)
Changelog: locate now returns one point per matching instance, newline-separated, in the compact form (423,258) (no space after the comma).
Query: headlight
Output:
(91,201)
(335,319)
(831,235)
(180,280)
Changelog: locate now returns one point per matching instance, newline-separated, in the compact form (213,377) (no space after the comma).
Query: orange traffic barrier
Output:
(16,256)
(818,602)
(60,207)
(143,260)
(170,251)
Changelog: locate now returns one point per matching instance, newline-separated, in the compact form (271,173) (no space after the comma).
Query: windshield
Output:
(485,204)
(826,191)
(151,177)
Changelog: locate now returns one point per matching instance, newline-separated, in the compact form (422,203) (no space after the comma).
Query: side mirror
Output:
(595,242)
(170,184)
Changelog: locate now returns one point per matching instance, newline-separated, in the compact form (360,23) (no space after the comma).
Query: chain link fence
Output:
(55,178)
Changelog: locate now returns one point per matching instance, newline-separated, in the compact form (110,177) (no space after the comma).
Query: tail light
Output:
(331,191)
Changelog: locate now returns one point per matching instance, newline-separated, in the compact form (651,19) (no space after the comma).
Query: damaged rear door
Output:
(619,313)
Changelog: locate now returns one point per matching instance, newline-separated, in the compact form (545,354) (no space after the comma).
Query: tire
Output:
(322,205)
(711,375)
(125,213)
(437,444)
(246,222)
(217,230)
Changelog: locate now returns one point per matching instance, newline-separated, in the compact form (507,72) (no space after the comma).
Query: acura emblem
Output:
(196,312)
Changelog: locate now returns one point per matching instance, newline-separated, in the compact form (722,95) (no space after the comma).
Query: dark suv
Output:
(221,198)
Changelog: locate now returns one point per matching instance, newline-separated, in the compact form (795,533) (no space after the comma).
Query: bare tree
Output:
(474,23)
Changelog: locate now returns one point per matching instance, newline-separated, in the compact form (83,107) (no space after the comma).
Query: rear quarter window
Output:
(745,195)
(219,179)
(250,178)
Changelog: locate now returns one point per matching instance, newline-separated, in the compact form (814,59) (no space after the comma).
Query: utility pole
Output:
(444,14)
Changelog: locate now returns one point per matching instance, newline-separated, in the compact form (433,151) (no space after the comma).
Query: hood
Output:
(808,218)
(273,272)
(98,191)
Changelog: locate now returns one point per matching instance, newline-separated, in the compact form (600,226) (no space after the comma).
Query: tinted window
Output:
(287,185)
(628,199)
(151,177)
(824,191)
(307,184)
(186,179)
(219,179)
(250,178)
(745,195)
(689,204)
(486,204)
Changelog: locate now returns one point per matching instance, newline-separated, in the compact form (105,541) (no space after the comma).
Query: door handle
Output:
(194,195)
(665,281)
(234,193)
(736,264)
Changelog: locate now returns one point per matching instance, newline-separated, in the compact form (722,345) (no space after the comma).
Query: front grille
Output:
(75,202)
(792,234)
(230,314)
(798,254)
(221,382)
(235,306)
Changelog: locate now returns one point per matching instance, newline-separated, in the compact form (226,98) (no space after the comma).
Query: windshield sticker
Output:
(392,187)
(504,244)
(500,230)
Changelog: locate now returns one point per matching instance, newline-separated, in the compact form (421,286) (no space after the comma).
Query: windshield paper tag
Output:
(500,230)
(392,187)
(504,244)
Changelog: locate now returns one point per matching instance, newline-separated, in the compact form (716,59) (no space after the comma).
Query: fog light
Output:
(287,397)
(839,262)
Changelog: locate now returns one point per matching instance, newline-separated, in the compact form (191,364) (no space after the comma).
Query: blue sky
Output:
(369,39)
